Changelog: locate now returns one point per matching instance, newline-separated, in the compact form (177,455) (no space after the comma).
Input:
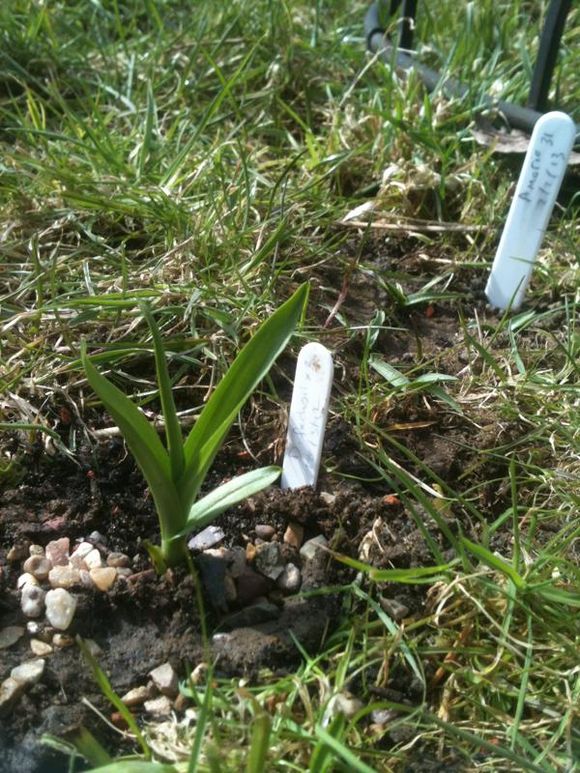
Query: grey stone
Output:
(310,548)
(207,538)
(394,608)
(10,635)
(269,560)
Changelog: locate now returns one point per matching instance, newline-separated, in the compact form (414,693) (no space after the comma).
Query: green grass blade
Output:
(143,443)
(322,758)
(172,428)
(87,745)
(494,562)
(344,753)
(229,494)
(261,729)
(203,718)
(245,373)
(414,576)
(135,766)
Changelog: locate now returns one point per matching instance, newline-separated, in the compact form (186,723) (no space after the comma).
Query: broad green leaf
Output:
(245,373)
(227,495)
(172,428)
(389,373)
(143,443)
(494,562)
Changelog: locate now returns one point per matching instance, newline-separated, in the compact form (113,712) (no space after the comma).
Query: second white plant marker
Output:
(540,180)
(307,419)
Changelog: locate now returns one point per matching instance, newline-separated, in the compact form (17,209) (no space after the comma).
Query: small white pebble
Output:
(26,579)
(36,550)
(60,608)
(93,559)
(40,648)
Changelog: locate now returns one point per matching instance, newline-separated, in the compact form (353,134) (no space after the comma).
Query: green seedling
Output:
(175,474)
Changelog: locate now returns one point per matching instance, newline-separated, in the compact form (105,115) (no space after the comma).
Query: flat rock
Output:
(60,608)
(58,551)
(10,635)
(29,672)
(165,679)
(207,538)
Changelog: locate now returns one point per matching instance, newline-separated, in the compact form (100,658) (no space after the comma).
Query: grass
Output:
(201,158)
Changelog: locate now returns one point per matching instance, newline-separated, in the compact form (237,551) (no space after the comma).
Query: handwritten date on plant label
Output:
(307,419)
(538,186)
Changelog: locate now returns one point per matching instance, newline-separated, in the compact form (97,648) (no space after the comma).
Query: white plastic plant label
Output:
(540,180)
(307,419)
